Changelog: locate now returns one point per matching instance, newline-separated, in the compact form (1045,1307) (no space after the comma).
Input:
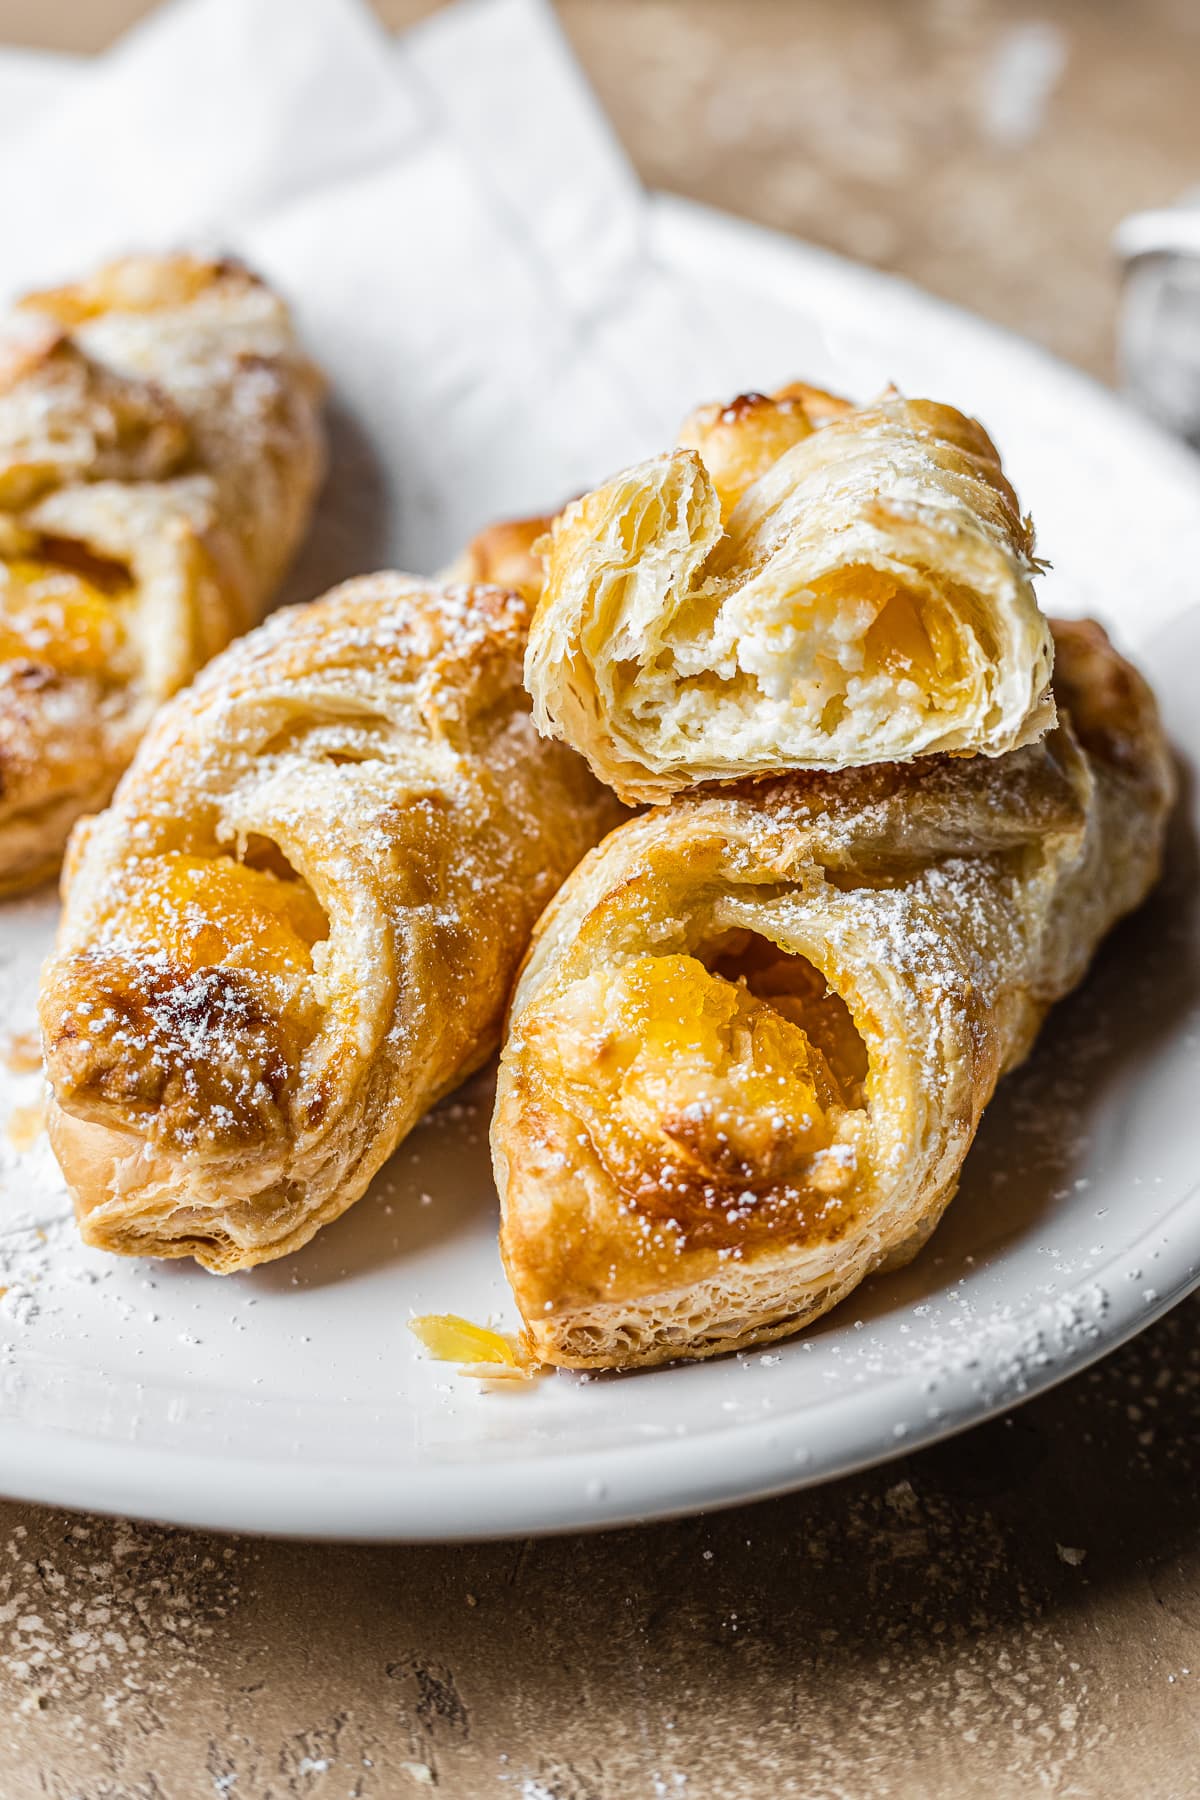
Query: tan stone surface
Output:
(915,1632)
(1016,1612)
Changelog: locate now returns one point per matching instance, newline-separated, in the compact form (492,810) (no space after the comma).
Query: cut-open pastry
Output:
(160,450)
(298,923)
(802,584)
(757,1028)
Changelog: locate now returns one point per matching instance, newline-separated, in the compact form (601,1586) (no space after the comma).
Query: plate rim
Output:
(590,1490)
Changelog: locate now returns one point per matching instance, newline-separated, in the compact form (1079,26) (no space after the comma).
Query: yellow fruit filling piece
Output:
(194,1006)
(724,1074)
(898,635)
(799,992)
(201,911)
(63,615)
(201,914)
(476,1348)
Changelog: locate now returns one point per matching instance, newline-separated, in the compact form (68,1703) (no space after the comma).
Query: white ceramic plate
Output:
(294,1400)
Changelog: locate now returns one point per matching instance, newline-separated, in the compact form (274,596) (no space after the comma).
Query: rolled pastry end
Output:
(72,706)
(782,593)
(690,1146)
(174,1048)
(160,450)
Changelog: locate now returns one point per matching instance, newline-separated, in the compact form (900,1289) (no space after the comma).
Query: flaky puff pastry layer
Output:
(757,1029)
(802,584)
(298,924)
(160,451)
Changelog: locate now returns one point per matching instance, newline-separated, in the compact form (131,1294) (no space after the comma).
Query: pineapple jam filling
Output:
(203,913)
(713,1088)
(206,910)
(63,611)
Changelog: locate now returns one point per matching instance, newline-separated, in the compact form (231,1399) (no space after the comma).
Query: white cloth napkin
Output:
(458,231)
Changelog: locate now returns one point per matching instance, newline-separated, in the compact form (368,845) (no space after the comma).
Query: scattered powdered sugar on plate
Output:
(1003,1351)
(40,1253)
(45,1269)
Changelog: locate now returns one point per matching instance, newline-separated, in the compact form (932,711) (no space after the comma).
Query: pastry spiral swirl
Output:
(757,1028)
(160,451)
(298,923)
(802,584)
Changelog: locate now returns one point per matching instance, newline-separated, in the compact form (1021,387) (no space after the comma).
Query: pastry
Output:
(160,451)
(802,584)
(298,924)
(757,1028)
(506,554)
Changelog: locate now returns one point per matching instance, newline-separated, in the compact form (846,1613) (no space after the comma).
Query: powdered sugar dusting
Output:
(100,1630)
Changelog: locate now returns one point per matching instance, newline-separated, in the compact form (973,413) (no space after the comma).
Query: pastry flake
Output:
(160,451)
(757,1028)
(297,925)
(803,583)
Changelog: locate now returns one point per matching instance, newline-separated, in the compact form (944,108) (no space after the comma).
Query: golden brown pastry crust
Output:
(298,923)
(160,450)
(802,584)
(507,554)
(692,1161)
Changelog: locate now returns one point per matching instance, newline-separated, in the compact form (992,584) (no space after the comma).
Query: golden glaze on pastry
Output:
(803,584)
(160,449)
(298,923)
(757,1028)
